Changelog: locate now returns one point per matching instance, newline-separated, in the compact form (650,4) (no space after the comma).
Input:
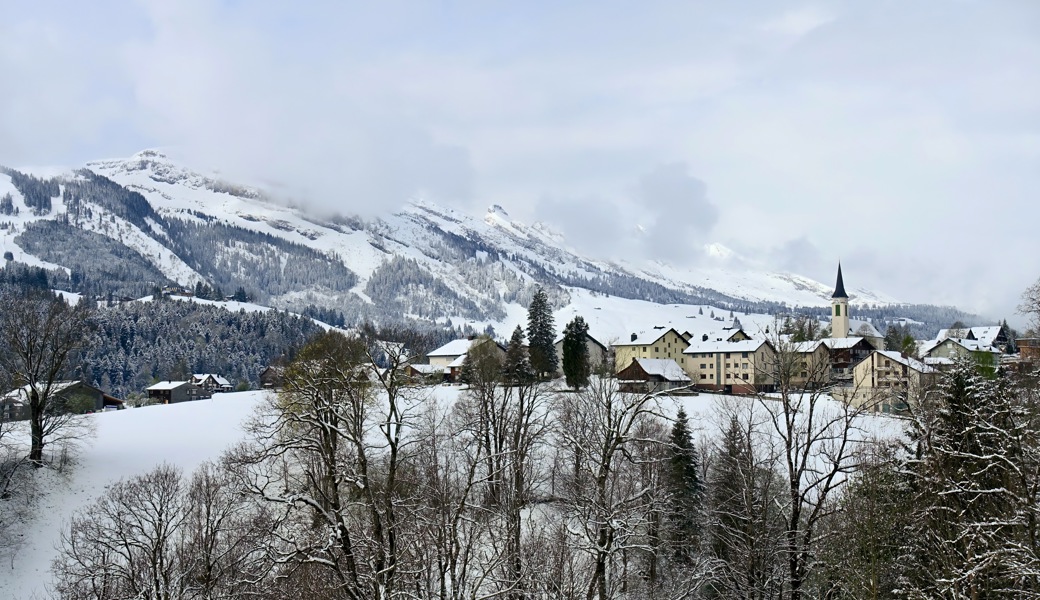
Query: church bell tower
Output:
(839,309)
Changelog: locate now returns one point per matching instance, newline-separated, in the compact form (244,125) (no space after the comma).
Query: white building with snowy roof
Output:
(887,381)
(732,366)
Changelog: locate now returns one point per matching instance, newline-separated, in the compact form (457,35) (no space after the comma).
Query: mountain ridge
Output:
(426,262)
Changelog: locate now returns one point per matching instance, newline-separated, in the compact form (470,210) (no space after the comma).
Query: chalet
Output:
(650,375)
(425,373)
(994,336)
(659,343)
(451,356)
(944,353)
(731,366)
(211,382)
(1029,348)
(172,392)
(75,395)
(597,352)
(846,352)
(887,381)
(272,378)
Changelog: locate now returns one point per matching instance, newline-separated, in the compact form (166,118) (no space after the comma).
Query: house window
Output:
(743,355)
(703,376)
(727,365)
(644,348)
(704,366)
(711,376)
(745,365)
(745,376)
(728,375)
(727,355)
(655,350)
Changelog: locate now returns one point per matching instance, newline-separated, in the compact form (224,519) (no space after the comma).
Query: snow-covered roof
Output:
(588,336)
(806,347)
(913,363)
(665,368)
(167,385)
(452,348)
(428,369)
(647,338)
(863,328)
(458,362)
(970,345)
(841,343)
(20,394)
(937,360)
(697,346)
(200,377)
(986,335)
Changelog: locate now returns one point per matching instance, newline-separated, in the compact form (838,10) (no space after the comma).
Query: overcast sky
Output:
(901,137)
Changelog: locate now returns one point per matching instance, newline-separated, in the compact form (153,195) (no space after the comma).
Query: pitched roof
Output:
(839,287)
(842,343)
(666,368)
(700,347)
(970,345)
(913,363)
(646,338)
(21,393)
(863,328)
(168,385)
(808,346)
(452,348)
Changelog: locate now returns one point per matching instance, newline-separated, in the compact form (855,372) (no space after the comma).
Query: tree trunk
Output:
(36,429)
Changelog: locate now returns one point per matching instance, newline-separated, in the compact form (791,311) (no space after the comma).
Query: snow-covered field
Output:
(133,441)
(128,442)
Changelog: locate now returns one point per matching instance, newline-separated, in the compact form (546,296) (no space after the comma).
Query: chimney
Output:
(704,337)
(634,336)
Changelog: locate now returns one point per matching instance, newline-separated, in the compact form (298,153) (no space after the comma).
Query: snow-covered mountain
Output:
(127,226)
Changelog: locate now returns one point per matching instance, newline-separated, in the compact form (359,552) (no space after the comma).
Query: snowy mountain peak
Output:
(717,250)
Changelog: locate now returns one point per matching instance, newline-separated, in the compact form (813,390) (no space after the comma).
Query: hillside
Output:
(134,441)
(127,227)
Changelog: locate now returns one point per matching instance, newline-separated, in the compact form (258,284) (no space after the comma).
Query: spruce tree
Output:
(972,526)
(516,369)
(576,367)
(540,334)
(685,489)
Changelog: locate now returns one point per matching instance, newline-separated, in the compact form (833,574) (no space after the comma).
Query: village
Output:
(851,361)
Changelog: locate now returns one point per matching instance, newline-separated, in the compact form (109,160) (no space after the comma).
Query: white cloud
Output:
(908,137)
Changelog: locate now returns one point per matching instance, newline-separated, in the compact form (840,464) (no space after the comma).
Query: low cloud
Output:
(667,215)
(681,215)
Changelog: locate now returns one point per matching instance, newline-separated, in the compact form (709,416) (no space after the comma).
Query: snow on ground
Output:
(128,442)
(133,441)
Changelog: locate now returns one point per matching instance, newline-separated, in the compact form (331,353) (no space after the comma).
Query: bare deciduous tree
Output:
(41,335)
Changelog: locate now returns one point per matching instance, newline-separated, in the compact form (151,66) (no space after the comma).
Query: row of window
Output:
(743,376)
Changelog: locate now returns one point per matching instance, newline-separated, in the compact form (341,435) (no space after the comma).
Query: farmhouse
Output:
(171,392)
(597,352)
(71,396)
(649,375)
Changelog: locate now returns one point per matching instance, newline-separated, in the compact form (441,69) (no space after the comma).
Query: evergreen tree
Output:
(576,367)
(746,532)
(516,369)
(541,331)
(972,532)
(684,491)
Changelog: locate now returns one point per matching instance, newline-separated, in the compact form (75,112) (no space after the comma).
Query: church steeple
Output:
(839,288)
(839,309)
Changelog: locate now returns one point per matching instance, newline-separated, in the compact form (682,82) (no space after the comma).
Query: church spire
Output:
(839,288)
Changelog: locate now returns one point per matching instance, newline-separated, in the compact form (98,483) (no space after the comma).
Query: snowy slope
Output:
(134,441)
(128,442)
